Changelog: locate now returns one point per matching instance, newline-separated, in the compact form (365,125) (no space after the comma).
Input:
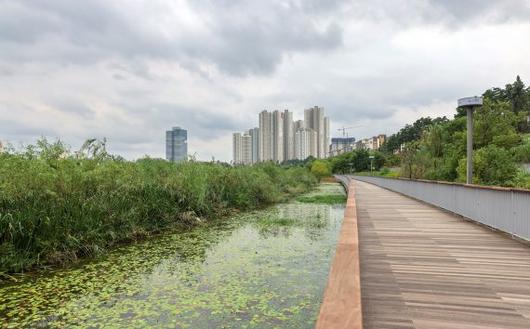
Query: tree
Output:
(410,133)
(408,159)
(517,94)
(493,165)
(320,169)
(495,124)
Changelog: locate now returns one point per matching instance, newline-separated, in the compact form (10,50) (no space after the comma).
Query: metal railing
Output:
(504,209)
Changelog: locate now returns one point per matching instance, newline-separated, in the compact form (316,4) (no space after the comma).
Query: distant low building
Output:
(176,144)
(341,145)
(372,143)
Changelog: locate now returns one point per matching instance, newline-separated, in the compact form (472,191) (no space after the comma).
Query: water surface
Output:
(263,269)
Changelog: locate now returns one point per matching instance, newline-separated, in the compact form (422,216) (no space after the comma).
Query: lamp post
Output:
(469,104)
(371,165)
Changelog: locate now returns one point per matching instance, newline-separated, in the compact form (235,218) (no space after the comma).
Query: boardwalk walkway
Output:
(427,269)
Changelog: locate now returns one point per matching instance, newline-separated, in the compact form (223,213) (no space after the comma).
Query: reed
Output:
(57,206)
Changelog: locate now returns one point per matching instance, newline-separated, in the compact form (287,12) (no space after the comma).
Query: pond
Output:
(261,269)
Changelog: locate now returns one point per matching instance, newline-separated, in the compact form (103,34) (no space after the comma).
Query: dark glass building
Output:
(176,144)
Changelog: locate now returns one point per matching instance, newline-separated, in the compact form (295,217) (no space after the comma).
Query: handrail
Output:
(485,187)
(504,209)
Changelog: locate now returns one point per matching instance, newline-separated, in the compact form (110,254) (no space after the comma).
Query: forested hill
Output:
(436,148)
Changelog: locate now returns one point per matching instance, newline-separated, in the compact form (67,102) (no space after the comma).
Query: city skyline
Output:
(209,66)
(278,138)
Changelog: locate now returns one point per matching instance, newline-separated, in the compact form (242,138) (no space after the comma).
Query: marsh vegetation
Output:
(57,206)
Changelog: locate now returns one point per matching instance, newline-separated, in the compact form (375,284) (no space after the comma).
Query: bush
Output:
(320,169)
(492,166)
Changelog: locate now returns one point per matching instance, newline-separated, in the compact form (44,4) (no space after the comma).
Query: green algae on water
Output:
(325,194)
(240,273)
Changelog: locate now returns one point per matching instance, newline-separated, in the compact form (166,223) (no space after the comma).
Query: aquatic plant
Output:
(56,206)
(325,199)
(327,193)
(225,273)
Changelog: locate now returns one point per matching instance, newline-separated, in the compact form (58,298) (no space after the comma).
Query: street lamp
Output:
(469,104)
(371,165)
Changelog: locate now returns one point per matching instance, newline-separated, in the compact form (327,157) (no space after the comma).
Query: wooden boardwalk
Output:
(427,269)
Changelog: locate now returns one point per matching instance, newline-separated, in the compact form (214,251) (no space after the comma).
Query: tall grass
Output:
(56,206)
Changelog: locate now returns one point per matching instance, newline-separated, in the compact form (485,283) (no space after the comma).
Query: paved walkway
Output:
(427,269)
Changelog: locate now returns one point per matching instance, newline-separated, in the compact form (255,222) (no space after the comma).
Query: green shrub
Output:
(321,169)
(492,166)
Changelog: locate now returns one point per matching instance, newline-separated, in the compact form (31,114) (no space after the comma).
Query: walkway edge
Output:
(341,307)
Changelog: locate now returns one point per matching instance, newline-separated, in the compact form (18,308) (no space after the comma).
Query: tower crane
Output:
(343,129)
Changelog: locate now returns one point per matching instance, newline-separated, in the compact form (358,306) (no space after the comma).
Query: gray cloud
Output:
(237,37)
(130,70)
(482,11)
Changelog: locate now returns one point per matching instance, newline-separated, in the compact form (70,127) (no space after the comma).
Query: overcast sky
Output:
(129,70)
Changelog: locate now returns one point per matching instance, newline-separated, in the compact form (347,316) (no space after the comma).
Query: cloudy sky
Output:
(129,70)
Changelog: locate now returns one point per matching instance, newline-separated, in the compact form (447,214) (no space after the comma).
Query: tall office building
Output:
(277,136)
(176,144)
(265,136)
(254,135)
(288,136)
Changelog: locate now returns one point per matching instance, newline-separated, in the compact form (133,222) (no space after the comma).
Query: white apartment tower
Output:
(314,119)
(265,136)
(254,135)
(246,149)
(242,148)
(305,143)
(299,124)
(327,140)
(288,135)
(236,148)
(277,136)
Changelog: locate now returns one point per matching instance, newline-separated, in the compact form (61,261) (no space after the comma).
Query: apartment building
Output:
(341,145)
(242,148)
(265,136)
(372,143)
(279,138)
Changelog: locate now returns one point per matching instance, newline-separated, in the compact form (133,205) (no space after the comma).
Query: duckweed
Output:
(245,272)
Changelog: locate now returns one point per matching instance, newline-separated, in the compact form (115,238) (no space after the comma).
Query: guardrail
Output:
(504,209)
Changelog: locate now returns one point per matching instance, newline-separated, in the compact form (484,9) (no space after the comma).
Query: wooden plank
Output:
(425,268)
(341,307)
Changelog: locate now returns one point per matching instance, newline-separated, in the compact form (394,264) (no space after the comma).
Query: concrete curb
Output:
(341,307)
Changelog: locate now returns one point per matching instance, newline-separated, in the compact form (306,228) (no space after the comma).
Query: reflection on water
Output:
(233,274)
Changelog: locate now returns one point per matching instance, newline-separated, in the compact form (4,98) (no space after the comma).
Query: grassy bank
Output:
(56,206)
